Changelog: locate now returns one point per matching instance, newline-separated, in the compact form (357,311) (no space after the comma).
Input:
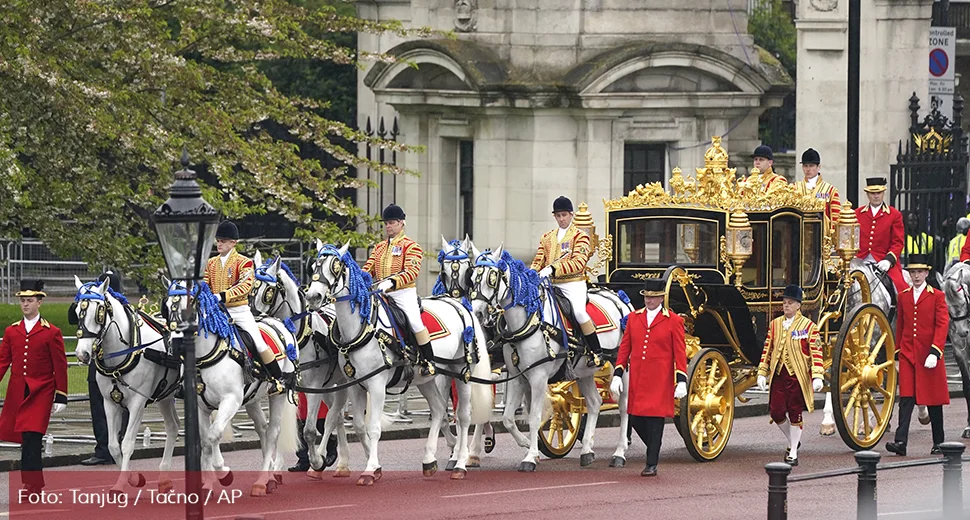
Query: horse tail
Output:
(288,441)
(482,398)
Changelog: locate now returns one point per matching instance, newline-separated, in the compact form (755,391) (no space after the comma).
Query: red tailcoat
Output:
(38,363)
(883,235)
(921,328)
(965,251)
(656,357)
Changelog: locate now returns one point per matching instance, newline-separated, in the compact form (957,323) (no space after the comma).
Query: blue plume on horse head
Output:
(211,317)
(523,282)
(358,281)
(88,292)
(262,274)
(454,252)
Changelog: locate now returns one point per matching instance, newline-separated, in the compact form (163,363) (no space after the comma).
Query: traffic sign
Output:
(939,62)
(941,80)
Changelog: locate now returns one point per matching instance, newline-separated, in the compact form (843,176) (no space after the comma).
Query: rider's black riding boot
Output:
(427,359)
(593,342)
(276,383)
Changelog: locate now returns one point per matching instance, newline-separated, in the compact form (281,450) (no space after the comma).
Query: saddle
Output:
(403,328)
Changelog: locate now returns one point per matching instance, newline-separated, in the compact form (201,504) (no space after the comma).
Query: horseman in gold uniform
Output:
(396,264)
(562,256)
(764,159)
(814,186)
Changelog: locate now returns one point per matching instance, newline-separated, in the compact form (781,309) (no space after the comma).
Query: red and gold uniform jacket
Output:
(771,181)
(883,236)
(796,350)
(38,378)
(656,357)
(233,280)
(397,259)
(828,193)
(567,257)
(921,328)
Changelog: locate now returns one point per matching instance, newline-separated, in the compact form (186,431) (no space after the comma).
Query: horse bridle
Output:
(337,269)
(275,290)
(966,301)
(456,256)
(486,269)
(103,311)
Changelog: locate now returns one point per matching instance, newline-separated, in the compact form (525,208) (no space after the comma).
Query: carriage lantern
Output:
(739,242)
(186,225)
(847,233)
(584,221)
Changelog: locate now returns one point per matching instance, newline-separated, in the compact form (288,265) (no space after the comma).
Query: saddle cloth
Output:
(271,340)
(436,328)
(600,318)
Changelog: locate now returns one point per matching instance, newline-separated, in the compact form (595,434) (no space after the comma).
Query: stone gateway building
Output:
(539,98)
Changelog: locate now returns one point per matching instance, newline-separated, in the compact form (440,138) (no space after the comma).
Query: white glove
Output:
(930,361)
(385,285)
(680,391)
(616,386)
(817,384)
(218,297)
(546,272)
(884,265)
(762,383)
(58,408)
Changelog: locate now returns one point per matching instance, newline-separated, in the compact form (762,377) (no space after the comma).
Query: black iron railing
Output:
(959,17)
(868,467)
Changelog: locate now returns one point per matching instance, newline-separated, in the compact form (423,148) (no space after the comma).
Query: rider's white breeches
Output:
(576,293)
(243,318)
(407,300)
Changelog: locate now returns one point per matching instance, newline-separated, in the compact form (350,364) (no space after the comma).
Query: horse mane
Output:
(211,317)
(523,282)
(283,266)
(358,281)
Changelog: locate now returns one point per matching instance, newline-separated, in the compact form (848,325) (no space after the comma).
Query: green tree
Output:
(773,30)
(97,100)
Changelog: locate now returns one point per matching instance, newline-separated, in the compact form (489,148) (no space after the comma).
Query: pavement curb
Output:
(609,419)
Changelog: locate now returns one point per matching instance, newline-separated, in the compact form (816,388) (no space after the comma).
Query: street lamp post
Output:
(186,227)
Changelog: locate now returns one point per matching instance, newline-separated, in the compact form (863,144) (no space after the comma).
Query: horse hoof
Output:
(474,461)
(826,430)
(586,459)
(226,480)
(429,469)
(378,474)
(451,465)
(617,462)
(271,486)
(966,433)
(258,490)
(528,467)
(341,473)
(137,481)
(924,420)
(165,486)
(365,480)
(458,474)
(313,474)
(279,478)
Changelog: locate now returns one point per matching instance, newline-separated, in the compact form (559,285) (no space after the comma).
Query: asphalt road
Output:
(733,487)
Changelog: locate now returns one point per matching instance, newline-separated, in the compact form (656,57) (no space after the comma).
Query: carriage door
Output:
(784,252)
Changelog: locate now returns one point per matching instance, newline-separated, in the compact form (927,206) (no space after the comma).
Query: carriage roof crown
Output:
(716,187)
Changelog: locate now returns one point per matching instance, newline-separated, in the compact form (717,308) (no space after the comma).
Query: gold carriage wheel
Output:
(558,435)
(707,413)
(864,377)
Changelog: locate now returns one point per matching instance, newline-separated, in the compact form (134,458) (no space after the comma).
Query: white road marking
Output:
(281,511)
(520,490)
(922,511)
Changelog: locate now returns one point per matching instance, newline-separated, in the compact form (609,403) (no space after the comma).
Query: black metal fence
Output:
(958,15)
(929,180)
(867,470)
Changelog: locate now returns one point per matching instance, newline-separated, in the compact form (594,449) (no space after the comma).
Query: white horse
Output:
(364,332)
(280,296)
(134,369)
(956,286)
(224,387)
(508,296)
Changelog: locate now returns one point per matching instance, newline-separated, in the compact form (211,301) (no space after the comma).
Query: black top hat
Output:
(763,151)
(114,280)
(794,292)
(392,212)
(29,288)
(917,261)
(875,184)
(811,157)
(227,231)
(562,204)
(654,287)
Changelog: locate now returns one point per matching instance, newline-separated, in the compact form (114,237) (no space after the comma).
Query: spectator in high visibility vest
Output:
(956,244)
(916,243)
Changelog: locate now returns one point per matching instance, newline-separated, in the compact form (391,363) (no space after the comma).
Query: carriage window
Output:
(753,272)
(784,251)
(811,259)
(667,241)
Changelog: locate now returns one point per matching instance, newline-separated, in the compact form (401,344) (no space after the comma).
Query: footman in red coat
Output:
(654,351)
(33,350)
(882,232)
(921,328)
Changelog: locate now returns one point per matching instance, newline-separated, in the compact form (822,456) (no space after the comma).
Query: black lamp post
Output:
(186,226)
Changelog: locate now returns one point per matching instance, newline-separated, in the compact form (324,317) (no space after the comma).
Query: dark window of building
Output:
(642,164)
(466,185)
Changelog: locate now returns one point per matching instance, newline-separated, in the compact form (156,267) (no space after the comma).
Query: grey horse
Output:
(956,286)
